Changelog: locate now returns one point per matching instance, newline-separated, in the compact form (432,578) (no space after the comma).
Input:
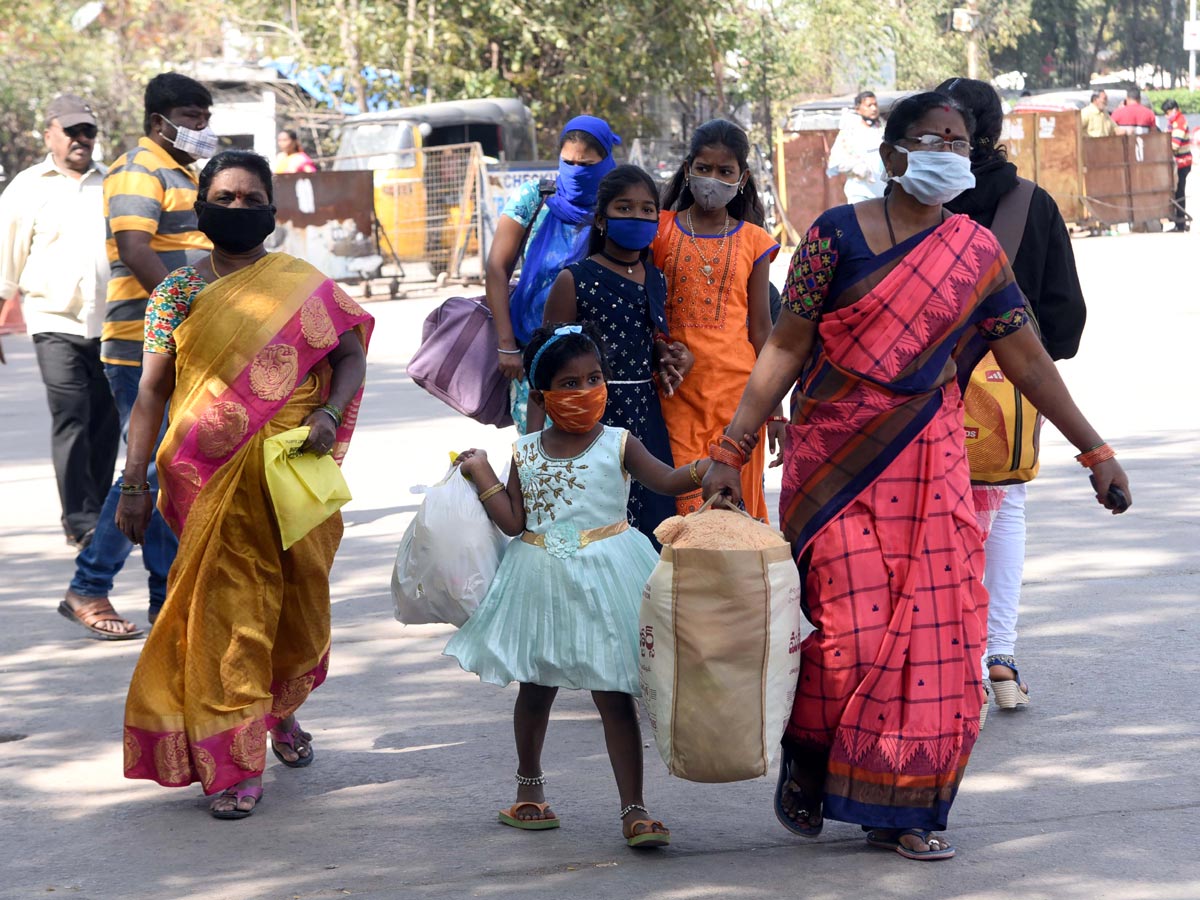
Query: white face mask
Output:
(934,177)
(200,144)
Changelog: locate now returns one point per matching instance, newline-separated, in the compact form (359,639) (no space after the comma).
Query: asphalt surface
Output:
(1091,792)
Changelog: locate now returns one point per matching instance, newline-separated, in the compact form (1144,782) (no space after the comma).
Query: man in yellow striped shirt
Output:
(149,195)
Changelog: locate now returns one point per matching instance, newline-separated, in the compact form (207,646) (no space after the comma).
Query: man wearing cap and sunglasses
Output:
(52,254)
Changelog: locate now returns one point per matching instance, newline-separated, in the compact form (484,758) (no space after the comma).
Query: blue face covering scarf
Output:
(562,238)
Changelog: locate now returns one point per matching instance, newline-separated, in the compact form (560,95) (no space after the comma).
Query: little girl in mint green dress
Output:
(562,611)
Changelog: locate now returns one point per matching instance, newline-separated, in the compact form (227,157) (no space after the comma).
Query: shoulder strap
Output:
(1008,225)
(546,188)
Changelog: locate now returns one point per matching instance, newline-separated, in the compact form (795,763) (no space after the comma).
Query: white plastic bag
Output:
(447,557)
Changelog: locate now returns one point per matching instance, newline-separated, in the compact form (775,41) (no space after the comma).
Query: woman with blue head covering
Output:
(558,225)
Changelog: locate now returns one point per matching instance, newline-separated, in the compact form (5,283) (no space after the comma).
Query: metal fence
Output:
(429,211)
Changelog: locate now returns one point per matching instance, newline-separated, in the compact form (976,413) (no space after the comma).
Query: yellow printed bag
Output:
(1003,430)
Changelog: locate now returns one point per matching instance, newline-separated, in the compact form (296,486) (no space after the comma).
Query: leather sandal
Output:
(92,612)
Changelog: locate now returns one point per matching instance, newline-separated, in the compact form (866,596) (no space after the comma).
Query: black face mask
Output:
(235,229)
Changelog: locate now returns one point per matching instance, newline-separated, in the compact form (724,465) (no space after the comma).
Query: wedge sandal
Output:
(1011,693)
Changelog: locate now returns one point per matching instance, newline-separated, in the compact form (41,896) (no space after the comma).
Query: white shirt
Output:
(855,154)
(52,248)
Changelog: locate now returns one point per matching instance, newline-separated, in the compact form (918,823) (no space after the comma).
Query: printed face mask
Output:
(200,144)
(576,411)
(712,193)
(632,234)
(935,177)
(235,229)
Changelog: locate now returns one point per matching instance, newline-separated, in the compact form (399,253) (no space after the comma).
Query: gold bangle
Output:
(490,493)
(694,471)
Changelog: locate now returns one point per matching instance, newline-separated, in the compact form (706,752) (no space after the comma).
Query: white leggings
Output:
(1003,566)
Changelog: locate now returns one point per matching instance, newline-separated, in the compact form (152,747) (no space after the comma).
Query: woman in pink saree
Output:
(244,345)
(888,304)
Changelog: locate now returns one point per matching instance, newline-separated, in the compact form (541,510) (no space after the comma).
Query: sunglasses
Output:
(82,131)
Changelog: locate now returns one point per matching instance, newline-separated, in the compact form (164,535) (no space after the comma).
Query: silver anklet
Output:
(531,782)
(631,807)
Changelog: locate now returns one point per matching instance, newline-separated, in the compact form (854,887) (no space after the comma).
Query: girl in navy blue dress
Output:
(620,290)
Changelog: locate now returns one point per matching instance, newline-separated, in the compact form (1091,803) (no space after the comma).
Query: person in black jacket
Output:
(1044,267)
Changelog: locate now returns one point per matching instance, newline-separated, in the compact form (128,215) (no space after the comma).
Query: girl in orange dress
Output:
(716,257)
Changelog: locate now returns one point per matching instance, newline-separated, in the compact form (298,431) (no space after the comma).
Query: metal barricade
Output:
(430,212)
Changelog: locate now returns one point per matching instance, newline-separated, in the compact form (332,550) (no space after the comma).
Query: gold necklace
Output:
(212,261)
(707,267)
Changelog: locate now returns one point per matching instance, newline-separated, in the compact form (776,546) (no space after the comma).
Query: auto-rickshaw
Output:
(422,198)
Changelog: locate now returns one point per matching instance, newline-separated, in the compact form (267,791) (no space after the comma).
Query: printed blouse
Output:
(834,255)
(168,306)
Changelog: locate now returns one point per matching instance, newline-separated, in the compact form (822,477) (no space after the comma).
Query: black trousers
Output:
(1181,198)
(85,430)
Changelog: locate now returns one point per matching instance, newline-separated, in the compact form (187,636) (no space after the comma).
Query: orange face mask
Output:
(576,411)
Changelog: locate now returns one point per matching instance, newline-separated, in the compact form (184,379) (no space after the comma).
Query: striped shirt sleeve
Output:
(133,200)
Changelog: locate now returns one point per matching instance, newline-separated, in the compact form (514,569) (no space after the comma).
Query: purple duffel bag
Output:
(457,361)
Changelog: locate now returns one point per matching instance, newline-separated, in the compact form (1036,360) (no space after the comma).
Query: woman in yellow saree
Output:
(244,345)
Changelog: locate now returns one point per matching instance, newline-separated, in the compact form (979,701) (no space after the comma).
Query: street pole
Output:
(1192,56)
(973,40)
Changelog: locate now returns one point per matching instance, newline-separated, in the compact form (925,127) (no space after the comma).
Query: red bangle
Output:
(782,419)
(719,454)
(732,446)
(661,336)
(1092,458)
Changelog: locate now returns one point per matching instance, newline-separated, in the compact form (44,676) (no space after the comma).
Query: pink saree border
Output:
(218,761)
(190,468)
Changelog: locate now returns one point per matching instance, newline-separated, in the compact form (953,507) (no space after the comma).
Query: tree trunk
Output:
(410,40)
(1099,41)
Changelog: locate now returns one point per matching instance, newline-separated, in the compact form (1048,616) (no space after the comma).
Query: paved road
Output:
(1090,793)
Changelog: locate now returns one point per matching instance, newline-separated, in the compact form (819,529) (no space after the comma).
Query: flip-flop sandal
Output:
(509,817)
(254,793)
(93,612)
(937,849)
(785,783)
(289,739)
(649,838)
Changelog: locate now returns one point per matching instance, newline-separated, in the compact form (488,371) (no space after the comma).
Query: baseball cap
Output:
(70,111)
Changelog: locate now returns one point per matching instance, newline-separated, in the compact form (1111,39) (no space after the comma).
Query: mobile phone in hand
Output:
(1116,497)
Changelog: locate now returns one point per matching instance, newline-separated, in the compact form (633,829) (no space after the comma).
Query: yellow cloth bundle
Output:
(305,489)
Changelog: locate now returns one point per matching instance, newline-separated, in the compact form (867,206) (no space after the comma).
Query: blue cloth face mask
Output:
(577,185)
(631,234)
